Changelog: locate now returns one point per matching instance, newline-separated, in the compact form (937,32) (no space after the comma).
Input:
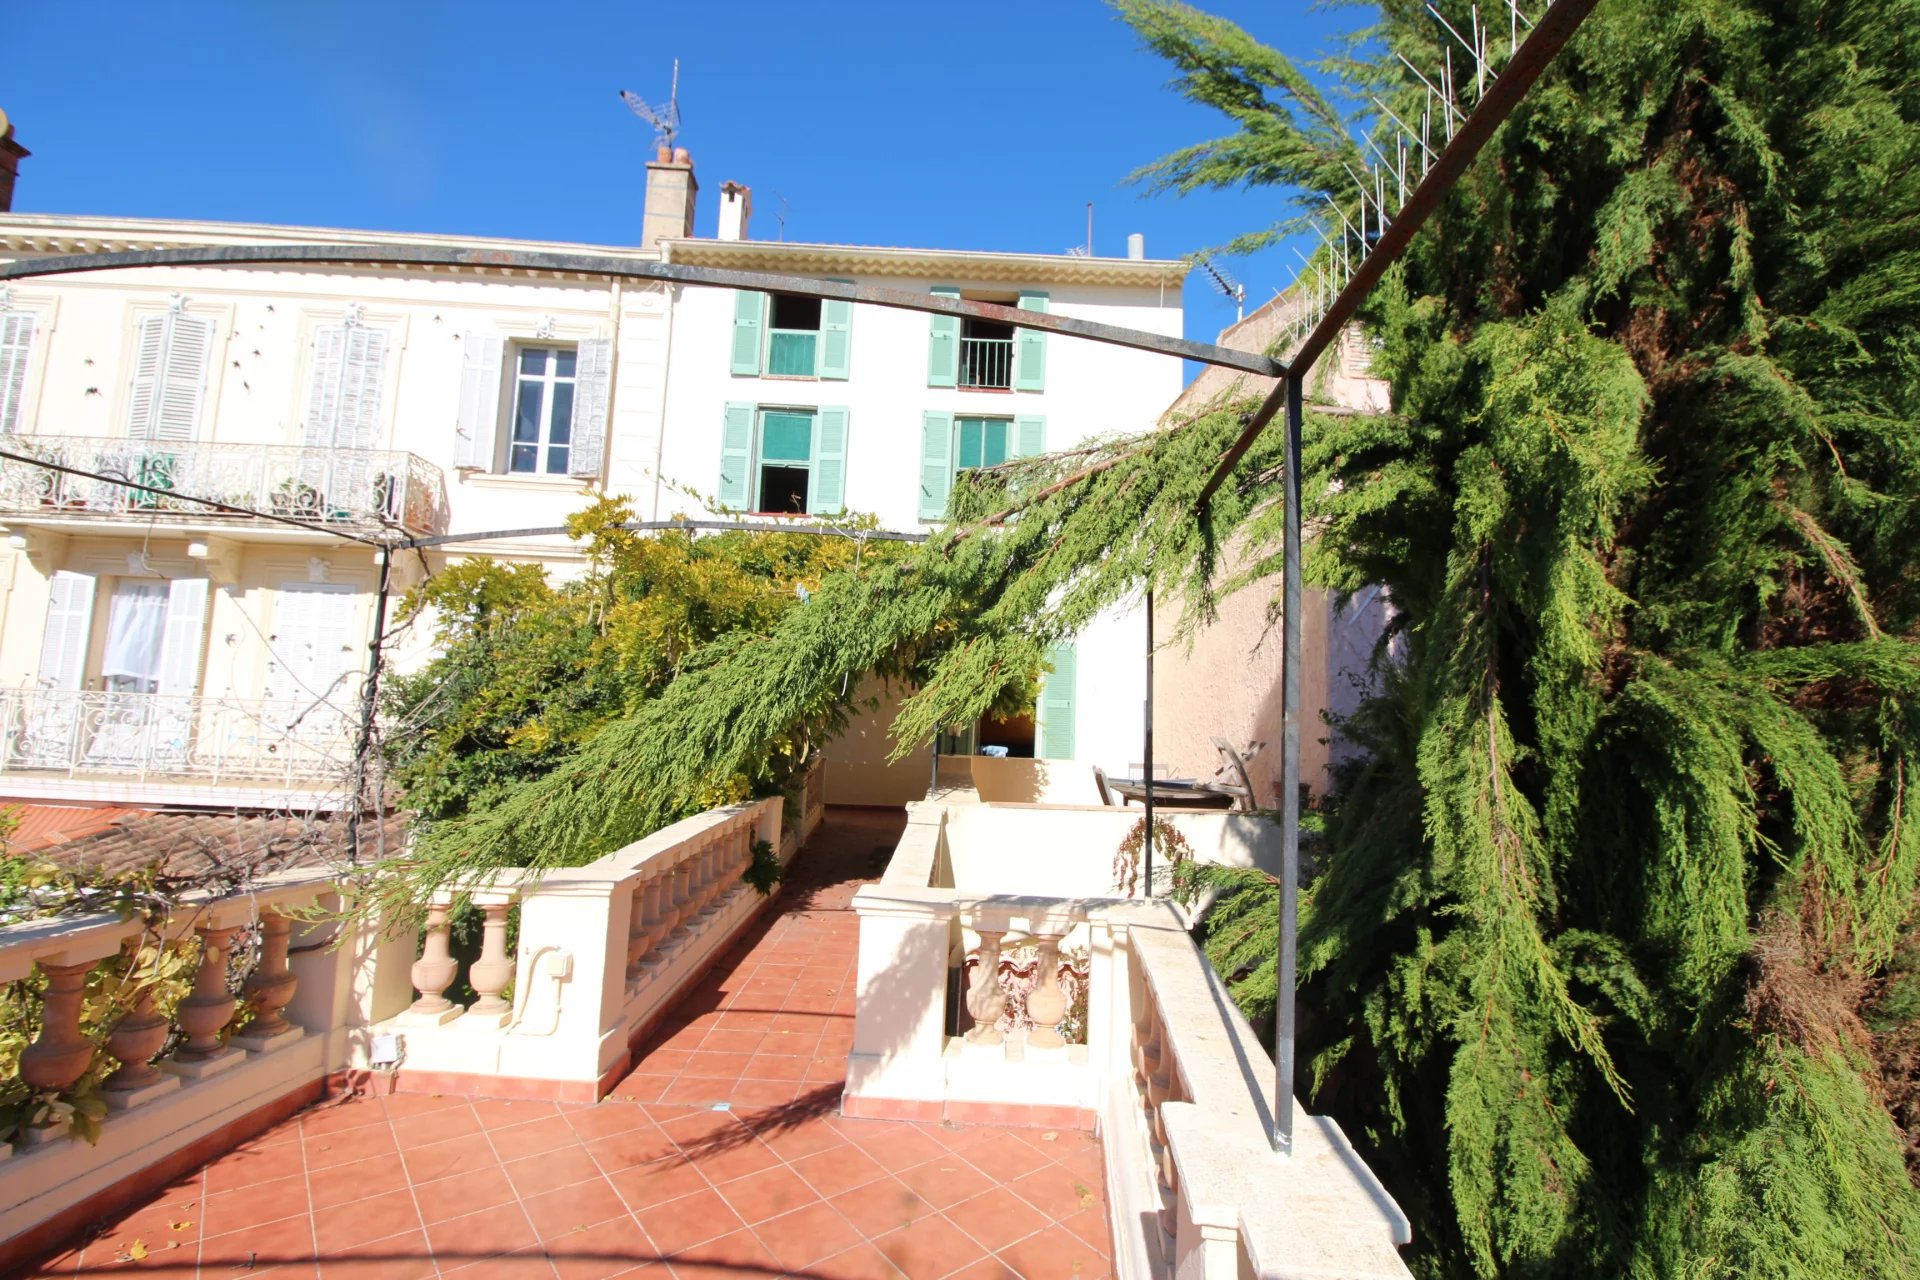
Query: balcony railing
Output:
(790,353)
(986,363)
(367,488)
(152,735)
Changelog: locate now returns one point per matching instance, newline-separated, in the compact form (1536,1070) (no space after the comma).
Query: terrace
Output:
(828,1084)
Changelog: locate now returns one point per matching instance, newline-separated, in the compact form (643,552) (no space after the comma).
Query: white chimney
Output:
(736,206)
(1136,246)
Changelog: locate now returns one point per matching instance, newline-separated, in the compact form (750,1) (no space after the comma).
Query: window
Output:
(787,336)
(783,461)
(542,411)
(16,344)
(980,442)
(986,355)
(169,376)
(343,400)
(533,408)
(950,444)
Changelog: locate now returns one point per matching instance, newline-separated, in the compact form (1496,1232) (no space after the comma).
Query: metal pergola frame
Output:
(1530,58)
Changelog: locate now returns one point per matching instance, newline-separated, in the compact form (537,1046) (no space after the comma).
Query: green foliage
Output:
(1608,962)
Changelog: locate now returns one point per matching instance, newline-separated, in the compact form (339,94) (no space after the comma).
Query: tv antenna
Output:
(665,122)
(1228,285)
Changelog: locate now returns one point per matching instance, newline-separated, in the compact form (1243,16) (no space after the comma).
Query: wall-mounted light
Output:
(197,551)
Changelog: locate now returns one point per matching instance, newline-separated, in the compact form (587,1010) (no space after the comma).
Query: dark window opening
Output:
(986,354)
(790,312)
(783,490)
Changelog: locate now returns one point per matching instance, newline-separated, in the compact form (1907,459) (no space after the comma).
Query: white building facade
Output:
(158,651)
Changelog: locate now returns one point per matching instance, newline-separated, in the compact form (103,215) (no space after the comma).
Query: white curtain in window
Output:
(136,622)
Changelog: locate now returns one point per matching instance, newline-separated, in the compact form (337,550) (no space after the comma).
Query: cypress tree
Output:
(1612,961)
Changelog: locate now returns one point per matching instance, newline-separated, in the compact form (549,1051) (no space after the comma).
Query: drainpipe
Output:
(613,393)
(369,701)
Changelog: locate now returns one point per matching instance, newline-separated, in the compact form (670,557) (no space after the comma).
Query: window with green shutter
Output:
(748,307)
(1030,347)
(1057,705)
(936,464)
(980,442)
(943,343)
(784,461)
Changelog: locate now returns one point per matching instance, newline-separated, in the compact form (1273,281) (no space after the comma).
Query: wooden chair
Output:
(1100,785)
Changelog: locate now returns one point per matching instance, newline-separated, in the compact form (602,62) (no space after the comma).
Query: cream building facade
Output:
(157,651)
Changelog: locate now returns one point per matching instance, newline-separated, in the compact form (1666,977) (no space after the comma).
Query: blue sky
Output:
(978,127)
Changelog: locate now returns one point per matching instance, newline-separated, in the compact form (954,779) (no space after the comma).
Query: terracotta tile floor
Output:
(722,1154)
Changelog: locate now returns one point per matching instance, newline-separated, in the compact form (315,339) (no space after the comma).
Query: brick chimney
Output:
(11,154)
(670,194)
(736,206)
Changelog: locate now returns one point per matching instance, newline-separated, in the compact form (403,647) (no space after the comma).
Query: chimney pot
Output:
(680,156)
(1136,246)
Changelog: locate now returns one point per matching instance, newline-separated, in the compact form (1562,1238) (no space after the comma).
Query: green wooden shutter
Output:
(1056,705)
(936,464)
(736,458)
(836,337)
(943,344)
(827,494)
(747,309)
(1029,436)
(1030,347)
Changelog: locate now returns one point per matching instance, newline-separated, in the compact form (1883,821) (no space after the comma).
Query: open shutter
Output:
(1056,705)
(150,344)
(936,464)
(836,337)
(592,387)
(747,308)
(63,644)
(1030,348)
(16,343)
(180,642)
(736,458)
(827,495)
(943,344)
(1029,436)
(479,401)
(312,646)
(183,378)
(363,370)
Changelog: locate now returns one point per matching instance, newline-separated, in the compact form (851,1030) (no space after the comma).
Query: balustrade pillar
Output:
(1047,1003)
(638,934)
(269,989)
(682,897)
(492,972)
(986,998)
(433,973)
(139,1034)
(206,1012)
(60,1054)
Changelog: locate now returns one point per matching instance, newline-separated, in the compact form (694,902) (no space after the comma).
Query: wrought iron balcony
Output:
(158,736)
(359,488)
(986,362)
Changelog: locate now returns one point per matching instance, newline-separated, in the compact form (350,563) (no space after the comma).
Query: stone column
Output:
(60,1054)
(638,937)
(137,1036)
(986,998)
(206,1012)
(269,989)
(492,972)
(433,973)
(1047,1003)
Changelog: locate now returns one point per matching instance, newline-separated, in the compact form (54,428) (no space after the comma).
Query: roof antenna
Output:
(1229,286)
(665,122)
(781,217)
(1084,250)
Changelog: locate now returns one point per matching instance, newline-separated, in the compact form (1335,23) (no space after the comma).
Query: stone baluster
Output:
(433,972)
(986,998)
(682,896)
(208,1009)
(1047,1003)
(659,908)
(639,936)
(269,988)
(60,1054)
(491,973)
(138,1034)
(713,861)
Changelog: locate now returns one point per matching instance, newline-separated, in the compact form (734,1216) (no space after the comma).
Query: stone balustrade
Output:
(66,951)
(1161,1064)
(602,950)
